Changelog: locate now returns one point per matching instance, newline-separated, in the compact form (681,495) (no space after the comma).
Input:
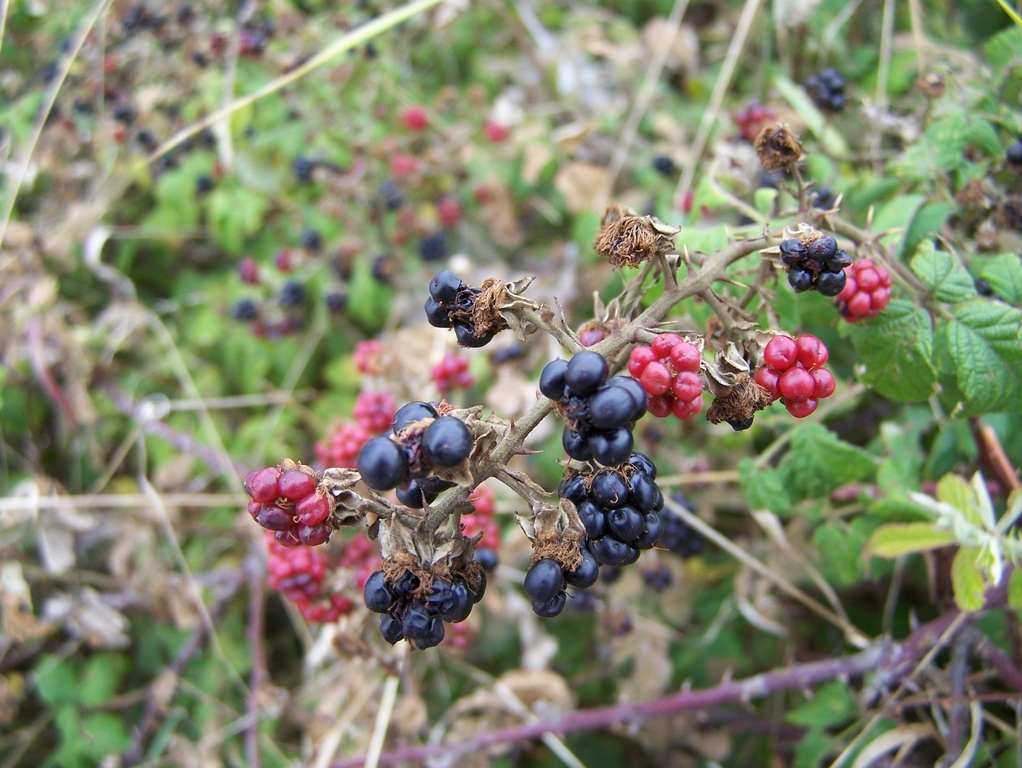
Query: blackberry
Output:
(983,287)
(612,407)
(385,268)
(459,605)
(487,558)
(203,185)
(544,580)
(643,492)
(740,425)
(391,195)
(678,537)
(586,371)
(827,89)
(414,497)
(658,578)
(302,168)
(336,301)
(611,447)
(437,314)
(467,337)
(665,166)
(793,252)
(244,310)
(573,488)
(643,464)
(587,572)
(1014,154)
(293,294)
(552,381)
(822,249)
(625,523)
(652,530)
(593,519)
(800,279)
(610,551)
(378,598)
(390,628)
(444,287)
(433,247)
(576,445)
(312,240)
(124,114)
(830,283)
(822,198)
(414,411)
(382,464)
(609,489)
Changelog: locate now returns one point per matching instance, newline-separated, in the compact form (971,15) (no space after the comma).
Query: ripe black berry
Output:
(412,496)
(487,558)
(800,279)
(433,247)
(410,412)
(203,184)
(587,572)
(416,622)
(467,337)
(839,261)
(377,596)
(740,425)
(390,628)
(664,165)
(302,168)
(635,391)
(830,283)
(610,551)
(312,239)
(586,371)
(244,309)
(576,445)
(292,294)
(459,604)
(336,301)
(644,464)
(445,286)
(391,195)
(551,607)
(446,442)
(643,494)
(551,380)
(609,489)
(611,407)
(544,580)
(593,518)
(572,488)
(1014,154)
(651,532)
(382,464)
(437,315)
(626,523)
(822,249)
(792,252)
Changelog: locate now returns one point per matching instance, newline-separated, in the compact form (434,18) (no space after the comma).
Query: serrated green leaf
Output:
(1004,273)
(832,705)
(799,100)
(819,461)
(967,579)
(928,219)
(985,347)
(764,488)
(235,213)
(895,351)
(896,539)
(841,552)
(942,274)
(1015,590)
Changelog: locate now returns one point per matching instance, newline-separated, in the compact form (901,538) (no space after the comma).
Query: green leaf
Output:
(814,747)
(104,734)
(235,214)
(899,509)
(1004,48)
(967,579)
(840,551)
(943,274)
(928,220)
(897,215)
(814,119)
(763,198)
(56,680)
(956,492)
(101,678)
(896,539)
(819,461)
(985,346)
(764,488)
(895,350)
(832,705)
(1015,590)
(1004,273)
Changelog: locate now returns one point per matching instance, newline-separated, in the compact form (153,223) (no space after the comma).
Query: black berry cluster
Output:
(818,265)
(620,509)
(450,305)
(598,411)
(827,89)
(422,441)
(678,537)
(545,583)
(418,615)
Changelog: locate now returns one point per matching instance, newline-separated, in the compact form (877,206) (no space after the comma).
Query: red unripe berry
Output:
(656,378)
(273,518)
(685,410)
(687,386)
(120,134)
(448,210)
(664,343)
(415,118)
(312,535)
(859,305)
(660,405)
(283,260)
(851,287)
(374,410)
(403,165)
(686,357)
(296,485)
(639,359)
(801,409)
(781,352)
(867,279)
(313,509)
(254,508)
(368,356)
(248,271)
(261,484)
(879,299)
(495,132)
(767,378)
(796,384)
(825,383)
(482,194)
(812,352)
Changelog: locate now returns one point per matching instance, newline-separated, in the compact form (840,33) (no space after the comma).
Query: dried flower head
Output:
(777,146)
(627,240)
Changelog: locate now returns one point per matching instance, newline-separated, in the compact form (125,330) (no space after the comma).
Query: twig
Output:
(372,757)
(1011,675)
(155,706)
(991,454)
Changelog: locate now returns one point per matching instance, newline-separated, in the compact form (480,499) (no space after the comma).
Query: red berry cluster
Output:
(415,118)
(452,373)
(360,557)
(341,446)
(369,356)
(794,373)
(484,499)
(751,119)
(867,291)
(448,210)
(669,372)
(404,165)
(495,132)
(285,500)
(374,411)
(298,574)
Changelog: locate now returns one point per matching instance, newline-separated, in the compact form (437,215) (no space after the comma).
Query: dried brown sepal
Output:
(627,240)
(742,400)
(338,484)
(499,306)
(932,84)
(777,146)
(443,554)
(486,433)
(556,533)
(724,371)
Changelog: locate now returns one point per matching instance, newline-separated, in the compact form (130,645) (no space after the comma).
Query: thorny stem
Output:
(565,339)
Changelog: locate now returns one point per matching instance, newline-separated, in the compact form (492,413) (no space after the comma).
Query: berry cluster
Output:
(669,372)
(285,500)
(827,89)
(598,411)
(678,537)
(867,291)
(415,118)
(794,373)
(484,499)
(452,373)
(450,305)
(413,613)
(299,574)
(752,119)
(422,441)
(819,264)
(374,410)
(341,446)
